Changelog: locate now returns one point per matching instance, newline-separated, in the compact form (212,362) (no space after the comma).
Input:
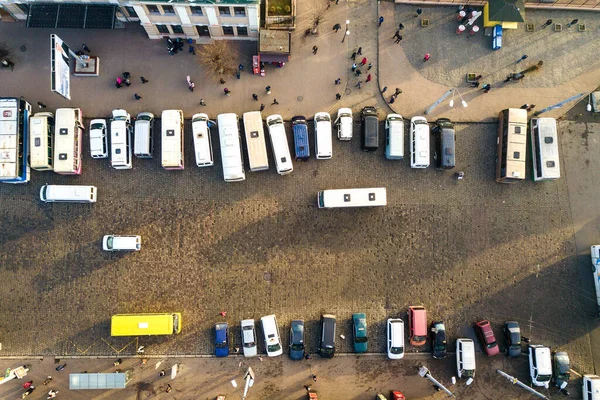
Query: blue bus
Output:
(14,140)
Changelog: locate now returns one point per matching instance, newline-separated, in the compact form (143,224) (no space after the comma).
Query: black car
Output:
(370,133)
(561,369)
(438,339)
(512,338)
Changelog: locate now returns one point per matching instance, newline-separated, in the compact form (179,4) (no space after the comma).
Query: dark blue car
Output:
(301,138)
(221,340)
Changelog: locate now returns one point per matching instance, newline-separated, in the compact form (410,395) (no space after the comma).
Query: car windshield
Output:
(543,378)
(96,126)
(327,350)
(441,346)
(220,345)
(419,338)
(397,350)
(468,373)
(297,346)
(273,347)
(361,339)
(109,242)
(492,344)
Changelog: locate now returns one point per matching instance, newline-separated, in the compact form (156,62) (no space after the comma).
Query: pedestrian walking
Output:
(523,57)
(337,27)
(368,78)
(274,102)
(52,394)
(359,51)
(353,56)
(358,72)
(531,107)
(397,92)
(338,96)
(191,49)
(419,12)
(241,67)
(262,107)
(191,86)
(548,22)
(127,82)
(268,89)
(27,384)
(85,48)
(518,76)
(161,373)
(570,24)
(315,49)
(383,90)
(396,34)
(400,27)
(338,81)
(238,75)
(8,64)
(380,21)
(144,80)
(222,81)
(119,361)
(169,388)
(61,367)
(307,387)
(398,39)
(426,57)
(486,88)
(202,103)
(478,77)
(364,61)
(475,84)
(524,107)
(41,105)
(137,97)
(508,78)
(307,357)
(126,75)
(254,97)
(119,82)
(314,377)
(358,84)
(227,93)
(370,66)
(28,392)
(353,67)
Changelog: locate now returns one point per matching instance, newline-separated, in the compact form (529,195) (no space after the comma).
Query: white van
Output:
(344,124)
(272,337)
(144,135)
(121,243)
(202,140)
(98,138)
(595,252)
(395,338)
(591,387)
(41,141)
(465,358)
(120,140)
(281,149)
(68,193)
(540,365)
(231,147)
(323,135)
(419,143)
(394,144)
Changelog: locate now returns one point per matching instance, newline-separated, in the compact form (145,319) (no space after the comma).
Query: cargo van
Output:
(231,147)
(98,138)
(202,140)
(417,325)
(143,146)
(327,345)
(419,143)
(323,135)
(272,337)
(301,145)
(465,358)
(540,365)
(344,124)
(394,144)
(68,193)
(255,140)
(279,143)
(121,242)
(445,146)
(370,137)
(591,387)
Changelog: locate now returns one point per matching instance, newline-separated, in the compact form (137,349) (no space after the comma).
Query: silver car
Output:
(249,338)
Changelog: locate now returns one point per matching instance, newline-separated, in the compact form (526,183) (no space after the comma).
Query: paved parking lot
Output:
(466,250)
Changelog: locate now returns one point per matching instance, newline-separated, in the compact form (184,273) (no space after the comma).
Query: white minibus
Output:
(231,147)
(120,140)
(367,197)
(394,145)
(255,140)
(68,193)
(172,139)
(279,142)
(323,135)
(41,127)
(419,143)
(143,146)
(202,140)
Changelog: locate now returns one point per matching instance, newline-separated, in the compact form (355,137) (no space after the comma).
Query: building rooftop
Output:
(272,41)
(204,2)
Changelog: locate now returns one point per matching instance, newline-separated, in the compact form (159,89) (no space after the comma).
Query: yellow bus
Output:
(145,324)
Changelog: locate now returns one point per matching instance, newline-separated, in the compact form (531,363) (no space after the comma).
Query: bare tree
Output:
(218,59)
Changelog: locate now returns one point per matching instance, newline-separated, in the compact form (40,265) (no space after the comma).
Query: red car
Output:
(486,337)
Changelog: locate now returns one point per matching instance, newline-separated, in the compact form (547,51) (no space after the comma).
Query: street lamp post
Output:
(345,34)
(346,31)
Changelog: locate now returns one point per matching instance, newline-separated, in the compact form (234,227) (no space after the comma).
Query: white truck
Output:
(595,250)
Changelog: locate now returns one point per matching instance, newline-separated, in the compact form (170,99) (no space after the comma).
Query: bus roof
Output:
(145,324)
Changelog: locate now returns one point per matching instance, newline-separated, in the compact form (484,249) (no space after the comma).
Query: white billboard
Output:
(60,68)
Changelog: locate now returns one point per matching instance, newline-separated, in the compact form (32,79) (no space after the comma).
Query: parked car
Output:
(359,331)
(222,340)
(121,242)
(370,133)
(249,338)
(512,338)
(417,325)
(486,337)
(327,345)
(561,369)
(439,345)
(540,365)
(395,338)
(297,340)
(397,395)
(98,139)
(301,145)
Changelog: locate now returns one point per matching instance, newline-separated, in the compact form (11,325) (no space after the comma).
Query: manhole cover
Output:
(23,48)
(300,98)
(348,91)
(267,276)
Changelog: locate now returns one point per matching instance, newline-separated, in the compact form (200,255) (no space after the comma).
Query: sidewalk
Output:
(570,65)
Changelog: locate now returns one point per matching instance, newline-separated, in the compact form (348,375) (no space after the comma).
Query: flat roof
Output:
(274,41)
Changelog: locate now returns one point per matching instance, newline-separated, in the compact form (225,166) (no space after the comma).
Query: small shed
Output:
(274,45)
(99,380)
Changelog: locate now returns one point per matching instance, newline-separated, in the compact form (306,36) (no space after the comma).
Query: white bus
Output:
(419,143)
(255,140)
(368,197)
(172,139)
(14,140)
(279,142)
(120,140)
(68,133)
(511,145)
(231,147)
(68,193)
(202,140)
(544,149)
(41,129)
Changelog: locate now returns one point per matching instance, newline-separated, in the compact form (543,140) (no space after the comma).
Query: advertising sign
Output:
(60,68)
